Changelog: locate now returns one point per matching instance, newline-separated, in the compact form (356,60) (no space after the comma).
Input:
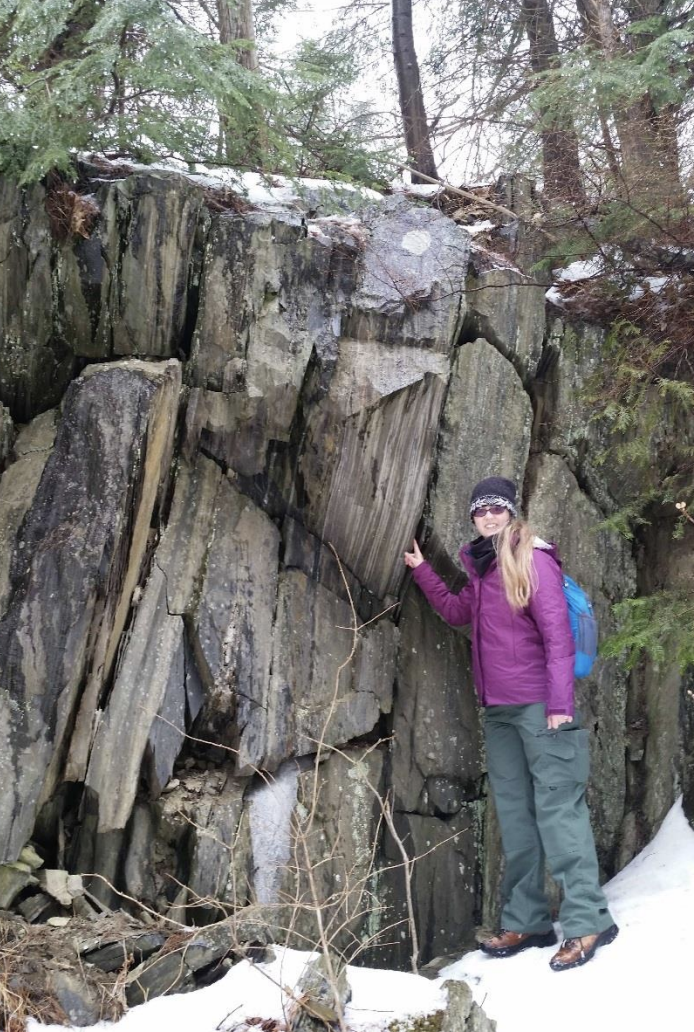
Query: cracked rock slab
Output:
(35,367)
(78,558)
(315,693)
(436,727)
(507,308)
(18,486)
(486,427)
(365,473)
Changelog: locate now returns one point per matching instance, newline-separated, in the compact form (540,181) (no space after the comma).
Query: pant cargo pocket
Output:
(565,757)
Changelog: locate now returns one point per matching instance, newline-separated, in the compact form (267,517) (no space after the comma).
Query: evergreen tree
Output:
(131,77)
(162,79)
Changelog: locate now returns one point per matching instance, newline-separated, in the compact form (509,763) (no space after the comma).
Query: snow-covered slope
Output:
(641,982)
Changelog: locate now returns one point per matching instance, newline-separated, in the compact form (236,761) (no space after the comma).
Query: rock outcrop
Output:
(220,433)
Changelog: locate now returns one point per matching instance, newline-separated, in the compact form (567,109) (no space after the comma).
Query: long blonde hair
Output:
(514,549)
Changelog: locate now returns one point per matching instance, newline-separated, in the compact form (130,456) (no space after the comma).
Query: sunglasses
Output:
(495,510)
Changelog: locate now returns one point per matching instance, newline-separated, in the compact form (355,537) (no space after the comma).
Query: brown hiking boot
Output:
(574,952)
(506,943)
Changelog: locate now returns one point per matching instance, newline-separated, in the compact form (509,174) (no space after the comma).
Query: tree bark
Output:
(414,118)
(560,161)
(647,138)
(68,43)
(236,23)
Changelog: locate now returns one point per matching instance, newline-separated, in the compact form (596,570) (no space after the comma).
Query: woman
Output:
(537,755)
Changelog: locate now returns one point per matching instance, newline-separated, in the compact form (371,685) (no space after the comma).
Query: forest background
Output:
(590,100)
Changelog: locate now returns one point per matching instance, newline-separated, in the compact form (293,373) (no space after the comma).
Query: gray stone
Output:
(114,955)
(124,290)
(13,879)
(138,870)
(18,487)
(507,308)
(158,977)
(82,542)
(35,907)
(219,852)
(443,885)
(231,628)
(574,360)
(485,428)
(7,436)
(462,1014)
(75,996)
(323,992)
(83,273)
(411,284)
(333,833)
(660,708)
(203,823)
(316,693)
(263,308)
(35,368)
(366,460)
(149,298)
(174,971)
(30,857)
(436,731)
(55,884)
(153,657)
(572,425)
(182,553)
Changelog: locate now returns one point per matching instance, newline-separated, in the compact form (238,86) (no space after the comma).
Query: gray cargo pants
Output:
(538,778)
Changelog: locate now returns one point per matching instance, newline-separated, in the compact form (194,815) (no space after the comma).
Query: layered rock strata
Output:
(216,680)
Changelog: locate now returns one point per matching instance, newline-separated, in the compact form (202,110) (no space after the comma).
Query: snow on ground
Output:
(581,270)
(478,227)
(641,982)
(654,283)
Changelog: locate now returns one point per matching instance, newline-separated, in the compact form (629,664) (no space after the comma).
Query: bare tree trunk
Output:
(560,162)
(82,18)
(647,138)
(414,117)
(236,23)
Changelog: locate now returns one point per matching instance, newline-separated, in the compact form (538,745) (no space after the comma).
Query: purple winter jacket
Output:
(517,657)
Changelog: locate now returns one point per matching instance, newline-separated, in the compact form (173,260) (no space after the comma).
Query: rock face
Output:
(217,683)
(76,563)
(35,367)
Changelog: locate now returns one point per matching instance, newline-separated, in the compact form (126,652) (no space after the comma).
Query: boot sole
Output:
(533,941)
(604,939)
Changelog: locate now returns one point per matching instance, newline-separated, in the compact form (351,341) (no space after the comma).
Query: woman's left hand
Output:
(555,720)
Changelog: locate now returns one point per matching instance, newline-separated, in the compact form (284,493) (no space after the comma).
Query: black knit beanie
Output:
(494,491)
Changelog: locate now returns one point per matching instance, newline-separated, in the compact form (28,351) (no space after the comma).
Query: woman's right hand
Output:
(415,558)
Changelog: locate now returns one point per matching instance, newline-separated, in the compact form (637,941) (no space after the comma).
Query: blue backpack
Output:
(584,626)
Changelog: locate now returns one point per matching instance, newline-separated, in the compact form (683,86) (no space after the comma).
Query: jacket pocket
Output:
(565,757)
